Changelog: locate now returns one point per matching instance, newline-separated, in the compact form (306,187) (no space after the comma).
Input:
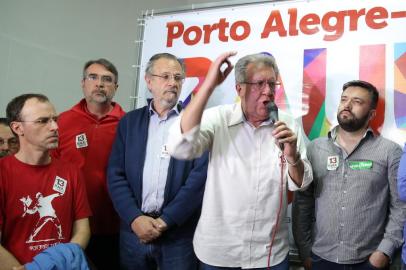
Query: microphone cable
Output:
(276,227)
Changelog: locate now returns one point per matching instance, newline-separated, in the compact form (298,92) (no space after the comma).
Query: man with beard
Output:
(351,216)
(87,132)
(30,180)
(157,197)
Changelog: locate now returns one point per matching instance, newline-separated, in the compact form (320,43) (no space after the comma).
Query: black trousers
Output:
(103,252)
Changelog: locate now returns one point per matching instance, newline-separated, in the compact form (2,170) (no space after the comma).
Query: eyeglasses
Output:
(12,142)
(42,120)
(260,85)
(104,78)
(167,77)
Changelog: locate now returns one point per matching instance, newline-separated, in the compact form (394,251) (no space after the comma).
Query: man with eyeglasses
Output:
(157,197)
(43,200)
(8,141)
(254,159)
(87,132)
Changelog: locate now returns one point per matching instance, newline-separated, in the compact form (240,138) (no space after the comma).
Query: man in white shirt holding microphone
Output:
(253,161)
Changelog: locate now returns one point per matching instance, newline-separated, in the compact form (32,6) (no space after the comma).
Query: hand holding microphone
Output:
(274,117)
(286,138)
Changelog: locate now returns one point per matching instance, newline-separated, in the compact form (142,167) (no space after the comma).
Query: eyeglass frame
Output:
(92,77)
(41,121)
(178,78)
(272,84)
(13,141)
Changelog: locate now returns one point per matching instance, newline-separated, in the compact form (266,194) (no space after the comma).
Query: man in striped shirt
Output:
(351,216)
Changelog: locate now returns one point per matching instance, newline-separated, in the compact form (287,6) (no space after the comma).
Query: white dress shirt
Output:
(242,192)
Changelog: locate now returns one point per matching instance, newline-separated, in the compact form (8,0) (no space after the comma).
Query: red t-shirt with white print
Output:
(38,205)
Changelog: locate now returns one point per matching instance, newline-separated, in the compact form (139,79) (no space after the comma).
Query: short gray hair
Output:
(258,58)
(155,57)
(103,62)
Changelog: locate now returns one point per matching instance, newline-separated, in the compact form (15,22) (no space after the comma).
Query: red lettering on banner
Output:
(328,24)
(398,14)
(274,24)
(246,30)
(193,34)
(207,29)
(292,22)
(307,21)
(376,13)
(223,25)
(354,16)
(175,30)
(333,23)
(197,35)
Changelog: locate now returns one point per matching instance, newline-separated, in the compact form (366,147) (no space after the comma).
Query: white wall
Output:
(45,43)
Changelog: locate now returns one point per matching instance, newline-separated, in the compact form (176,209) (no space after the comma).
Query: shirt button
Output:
(341,242)
(345,192)
(342,224)
(342,208)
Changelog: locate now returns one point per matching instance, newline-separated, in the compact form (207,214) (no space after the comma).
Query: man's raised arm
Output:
(193,113)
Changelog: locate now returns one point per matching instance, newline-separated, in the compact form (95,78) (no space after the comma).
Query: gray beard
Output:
(167,105)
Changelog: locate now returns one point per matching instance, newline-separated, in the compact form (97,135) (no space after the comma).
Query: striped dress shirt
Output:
(156,160)
(352,207)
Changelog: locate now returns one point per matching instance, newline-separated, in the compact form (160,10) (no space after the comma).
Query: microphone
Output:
(274,116)
(273,112)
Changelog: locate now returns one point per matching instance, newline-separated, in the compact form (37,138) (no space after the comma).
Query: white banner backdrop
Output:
(318,45)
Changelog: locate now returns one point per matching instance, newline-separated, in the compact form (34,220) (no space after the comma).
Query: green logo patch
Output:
(361,165)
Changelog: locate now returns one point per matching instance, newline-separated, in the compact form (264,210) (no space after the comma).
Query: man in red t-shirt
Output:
(42,199)
(86,133)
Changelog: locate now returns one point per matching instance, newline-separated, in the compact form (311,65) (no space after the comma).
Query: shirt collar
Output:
(175,110)
(332,134)
(238,117)
(116,112)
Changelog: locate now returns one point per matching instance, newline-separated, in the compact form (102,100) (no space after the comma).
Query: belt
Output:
(154,214)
